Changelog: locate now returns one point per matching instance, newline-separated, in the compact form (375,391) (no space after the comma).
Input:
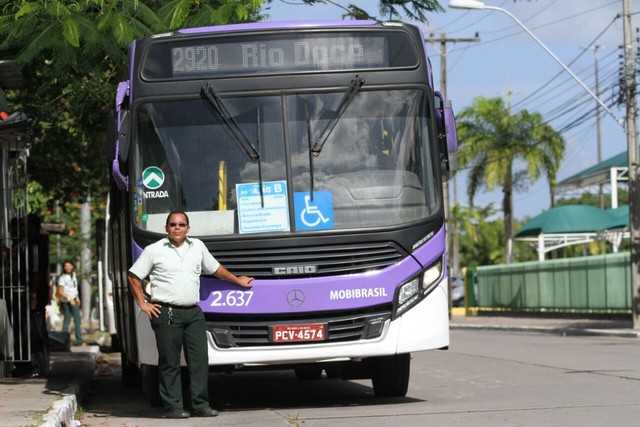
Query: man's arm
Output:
(135,286)
(223,273)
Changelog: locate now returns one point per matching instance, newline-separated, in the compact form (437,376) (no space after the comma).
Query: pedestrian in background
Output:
(69,299)
(173,265)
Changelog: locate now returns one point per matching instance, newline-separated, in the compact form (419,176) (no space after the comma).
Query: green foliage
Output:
(491,139)
(480,233)
(481,236)
(591,199)
(493,142)
(37,199)
(71,243)
(199,13)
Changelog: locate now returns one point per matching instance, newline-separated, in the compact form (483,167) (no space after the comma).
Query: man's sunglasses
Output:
(180,224)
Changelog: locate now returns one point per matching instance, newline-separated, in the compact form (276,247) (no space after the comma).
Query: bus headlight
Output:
(432,275)
(417,288)
(408,293)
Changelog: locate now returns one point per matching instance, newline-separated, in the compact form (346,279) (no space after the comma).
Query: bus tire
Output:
(390,375)
(151,385)
(130,372)
(334,372)
(306,374)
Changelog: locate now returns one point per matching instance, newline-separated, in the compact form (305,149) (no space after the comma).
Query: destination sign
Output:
(218,56)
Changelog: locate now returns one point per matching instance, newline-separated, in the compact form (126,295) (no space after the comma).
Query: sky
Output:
(506,62)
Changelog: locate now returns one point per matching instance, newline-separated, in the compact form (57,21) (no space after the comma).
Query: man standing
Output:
(173,265)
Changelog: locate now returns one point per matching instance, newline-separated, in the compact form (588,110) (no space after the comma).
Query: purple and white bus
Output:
(308,155)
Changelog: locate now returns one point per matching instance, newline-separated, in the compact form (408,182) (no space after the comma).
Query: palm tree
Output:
(494,143)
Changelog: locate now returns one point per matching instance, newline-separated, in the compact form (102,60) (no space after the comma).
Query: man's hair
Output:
(175,213)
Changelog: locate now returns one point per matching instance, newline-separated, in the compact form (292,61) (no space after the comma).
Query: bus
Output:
(308,155)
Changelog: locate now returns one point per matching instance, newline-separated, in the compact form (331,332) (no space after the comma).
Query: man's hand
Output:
(245,281)
(223,273)
(152,310)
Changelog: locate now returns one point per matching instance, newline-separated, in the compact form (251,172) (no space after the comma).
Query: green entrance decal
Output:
(153,177)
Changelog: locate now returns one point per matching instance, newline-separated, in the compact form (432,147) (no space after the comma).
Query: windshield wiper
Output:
(258,126)
(308,123)
(234,128)
(349,95)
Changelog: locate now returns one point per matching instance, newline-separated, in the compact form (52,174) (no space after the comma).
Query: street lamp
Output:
(630,127)
(478,5)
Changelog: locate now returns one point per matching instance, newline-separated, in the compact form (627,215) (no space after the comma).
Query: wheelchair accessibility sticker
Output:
(316,214)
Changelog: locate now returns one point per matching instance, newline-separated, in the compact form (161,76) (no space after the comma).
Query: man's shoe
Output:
(176,413)
(205,412)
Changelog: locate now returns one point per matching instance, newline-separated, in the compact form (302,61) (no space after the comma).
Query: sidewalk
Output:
(53,402)
(554,325)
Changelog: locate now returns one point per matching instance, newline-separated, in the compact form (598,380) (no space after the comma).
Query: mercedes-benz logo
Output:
(295,298)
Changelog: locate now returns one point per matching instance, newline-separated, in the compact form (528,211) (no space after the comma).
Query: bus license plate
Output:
(299,333)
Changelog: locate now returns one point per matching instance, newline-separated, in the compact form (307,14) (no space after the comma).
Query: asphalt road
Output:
(487,378)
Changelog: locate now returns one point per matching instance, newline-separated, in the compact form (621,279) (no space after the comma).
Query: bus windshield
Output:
(375,166)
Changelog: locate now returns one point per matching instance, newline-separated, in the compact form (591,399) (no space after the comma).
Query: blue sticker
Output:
(316,214)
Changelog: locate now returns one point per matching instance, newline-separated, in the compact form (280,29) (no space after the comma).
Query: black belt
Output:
(183,307)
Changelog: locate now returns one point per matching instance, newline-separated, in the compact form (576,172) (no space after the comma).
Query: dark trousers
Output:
(185,329)
(39,340)
(72,311)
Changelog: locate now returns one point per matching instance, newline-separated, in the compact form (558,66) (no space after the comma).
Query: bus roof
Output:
(277,24)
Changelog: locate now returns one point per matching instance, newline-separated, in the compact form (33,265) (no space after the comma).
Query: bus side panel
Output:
(119,229)
(432,311)
(146,339)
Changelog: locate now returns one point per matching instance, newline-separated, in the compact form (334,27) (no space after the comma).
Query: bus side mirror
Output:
(446,123)
(119,151)
(447,135)
(122,146)
(451,133)
(450,127)
(121,154)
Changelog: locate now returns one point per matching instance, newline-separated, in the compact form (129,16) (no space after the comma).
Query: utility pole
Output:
(507,204)
(598,132)
(632,147)
(453,247)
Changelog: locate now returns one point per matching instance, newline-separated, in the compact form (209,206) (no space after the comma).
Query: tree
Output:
(73,55)
(594,199)
(495,142)
(480,237)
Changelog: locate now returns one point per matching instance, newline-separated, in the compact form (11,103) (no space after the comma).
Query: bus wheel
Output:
(151,385)
(308,373)
(130,372)
(390,375)
(334,372)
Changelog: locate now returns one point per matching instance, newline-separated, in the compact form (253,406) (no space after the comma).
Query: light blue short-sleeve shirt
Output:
(174,273)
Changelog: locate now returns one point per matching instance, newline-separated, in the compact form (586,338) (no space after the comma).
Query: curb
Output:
(62,412)
(565,331)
